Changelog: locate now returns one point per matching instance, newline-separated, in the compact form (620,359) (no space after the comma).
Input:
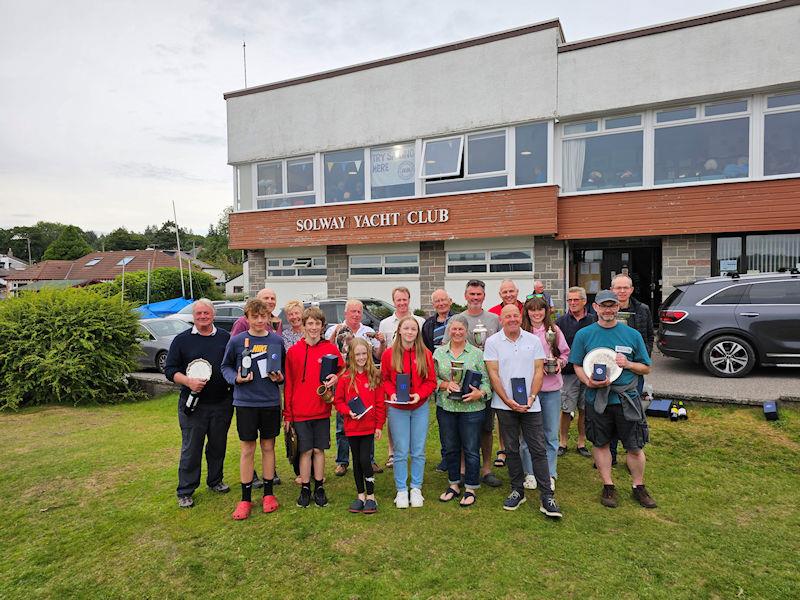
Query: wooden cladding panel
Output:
(527,211)
(729,207)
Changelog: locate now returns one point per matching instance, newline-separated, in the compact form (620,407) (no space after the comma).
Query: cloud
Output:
(198,139)
(151,171)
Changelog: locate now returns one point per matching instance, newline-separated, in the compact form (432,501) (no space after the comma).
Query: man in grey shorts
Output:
(573,392)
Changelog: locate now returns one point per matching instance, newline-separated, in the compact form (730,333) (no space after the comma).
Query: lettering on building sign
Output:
(386,219)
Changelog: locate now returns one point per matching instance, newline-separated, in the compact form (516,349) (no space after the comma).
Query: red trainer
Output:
(270,504)
(242,510)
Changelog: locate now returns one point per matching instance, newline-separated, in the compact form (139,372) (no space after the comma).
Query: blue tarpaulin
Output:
(163,308)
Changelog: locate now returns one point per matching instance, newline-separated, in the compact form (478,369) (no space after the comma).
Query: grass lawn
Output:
(88,503)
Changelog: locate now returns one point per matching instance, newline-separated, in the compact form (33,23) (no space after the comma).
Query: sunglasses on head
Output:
(531,296)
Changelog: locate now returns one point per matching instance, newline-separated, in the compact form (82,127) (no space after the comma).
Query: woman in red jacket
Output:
(408,421)
(362,380)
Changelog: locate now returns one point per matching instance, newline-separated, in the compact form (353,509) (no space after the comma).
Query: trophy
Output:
(550,363)
(479,334)
(456,375)
(624,317)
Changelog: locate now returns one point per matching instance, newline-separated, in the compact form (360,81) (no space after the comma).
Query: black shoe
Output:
(257,482)
(562,450)
(491,480)
(185,502)
(441,467)
(583,451)
(277,479)
(320,499)
(550,508)
(220,488)
(370,507)
(513,501)
(356,506)
(304,499)
(609,496)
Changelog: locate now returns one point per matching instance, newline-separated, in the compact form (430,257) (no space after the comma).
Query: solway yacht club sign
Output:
(381,219)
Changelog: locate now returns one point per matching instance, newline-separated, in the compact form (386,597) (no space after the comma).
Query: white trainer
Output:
(416,498)
(529,483)
(401,499)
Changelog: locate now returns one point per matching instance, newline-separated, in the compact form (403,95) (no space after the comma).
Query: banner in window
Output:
(392,166)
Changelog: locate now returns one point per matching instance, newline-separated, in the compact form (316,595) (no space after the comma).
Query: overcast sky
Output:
(111,110)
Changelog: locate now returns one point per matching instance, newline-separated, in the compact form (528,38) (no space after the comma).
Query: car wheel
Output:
(161,361)
(729,356)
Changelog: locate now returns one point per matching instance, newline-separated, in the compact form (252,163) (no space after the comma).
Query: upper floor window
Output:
(465,162)
(530,159)
(297,267)
(702,143)
(782,134)
(285,183)
(603,153)
(389,264)
(490,261)
(344,176)
(392,171)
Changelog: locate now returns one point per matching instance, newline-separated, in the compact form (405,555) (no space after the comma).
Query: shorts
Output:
(573,394)
(487,426)
(253,421)
(602,428)
(313,434)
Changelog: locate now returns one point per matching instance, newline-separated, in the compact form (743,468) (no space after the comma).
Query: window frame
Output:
(284,182)
(382,265)
(295,267)
(742,259)
(488,261)
(765,112)
(368,172)
(423,176)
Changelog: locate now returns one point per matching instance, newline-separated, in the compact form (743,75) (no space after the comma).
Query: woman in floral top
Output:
(462,419)
(294,315)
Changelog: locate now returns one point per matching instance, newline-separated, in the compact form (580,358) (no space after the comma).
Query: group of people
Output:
(514,363)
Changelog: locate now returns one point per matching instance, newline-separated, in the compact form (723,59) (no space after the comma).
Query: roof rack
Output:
(733,274)
(790,270)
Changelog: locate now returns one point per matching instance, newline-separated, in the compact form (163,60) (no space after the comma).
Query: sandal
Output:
(468,494)
(449,494)
(500,462)
(390,461)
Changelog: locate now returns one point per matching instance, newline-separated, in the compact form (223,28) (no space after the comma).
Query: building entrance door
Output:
(593,268)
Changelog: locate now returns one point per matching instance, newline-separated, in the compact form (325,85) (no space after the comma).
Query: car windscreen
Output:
(379,309)
(167,327)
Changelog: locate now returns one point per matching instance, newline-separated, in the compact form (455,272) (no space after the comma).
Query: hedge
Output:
(66,346)
(165,284)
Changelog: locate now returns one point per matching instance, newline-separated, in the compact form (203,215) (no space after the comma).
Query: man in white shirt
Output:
(509,355)
(341,334)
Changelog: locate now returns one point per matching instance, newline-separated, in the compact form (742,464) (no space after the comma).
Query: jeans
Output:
(463,432)
(530,425)
(442,442)
(207,421)
(409,430)
(551,421)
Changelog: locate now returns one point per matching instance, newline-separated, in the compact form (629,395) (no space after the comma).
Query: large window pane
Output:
(443,157)
(392,171)
(702,151)
(782,143)
(300,175)
(531,154)
(465,185)
(767,253)
(270,179)
(486,152)
(344,176)
(729,250)
(606,161)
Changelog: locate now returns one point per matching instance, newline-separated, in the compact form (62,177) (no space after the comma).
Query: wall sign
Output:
(381,219)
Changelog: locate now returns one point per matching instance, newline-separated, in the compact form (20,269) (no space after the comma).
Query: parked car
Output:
(155,337)
(226,314)
(374,310)
(733,322)
(185,314)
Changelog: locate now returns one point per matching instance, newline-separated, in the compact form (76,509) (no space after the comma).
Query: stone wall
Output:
(337,271)
(431,271)
(257,269)
(684,258)
(548,265)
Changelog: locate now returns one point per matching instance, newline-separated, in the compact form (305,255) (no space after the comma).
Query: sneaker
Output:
(641,495)
(416,498)
(390,462)
(356,506)
(277,479)
(220,488)
(341,470)
(609,496)
(529,483)
(491,480)
(320,499)
(257,481)
(401,499)
(304,499)
(550,508)
(583,451)
(370,507)
(185,502)
(242,510)
(441,467)
(269,504)
(562,450)
(513,501)
(376,468)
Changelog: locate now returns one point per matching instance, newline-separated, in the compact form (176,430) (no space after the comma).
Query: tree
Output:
(41,236)
(163,237)
(69,245)
(216,251)
(122,239)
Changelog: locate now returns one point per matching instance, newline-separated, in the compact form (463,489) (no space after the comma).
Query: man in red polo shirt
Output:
(508,295)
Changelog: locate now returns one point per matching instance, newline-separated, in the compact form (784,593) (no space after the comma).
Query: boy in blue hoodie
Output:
(257,400)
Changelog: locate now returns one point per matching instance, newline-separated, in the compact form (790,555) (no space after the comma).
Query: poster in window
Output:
(392,166)
(728,265)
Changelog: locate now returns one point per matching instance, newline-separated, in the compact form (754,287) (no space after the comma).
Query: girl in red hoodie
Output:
(408,421)
(363,380)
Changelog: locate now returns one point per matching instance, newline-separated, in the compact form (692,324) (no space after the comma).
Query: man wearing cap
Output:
(614,410)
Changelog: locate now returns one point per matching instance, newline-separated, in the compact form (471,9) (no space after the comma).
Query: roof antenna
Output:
(244,59)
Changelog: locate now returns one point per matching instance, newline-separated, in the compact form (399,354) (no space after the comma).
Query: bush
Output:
(66,346)
(165,284)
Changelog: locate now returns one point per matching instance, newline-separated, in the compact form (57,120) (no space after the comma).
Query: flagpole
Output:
(178,241)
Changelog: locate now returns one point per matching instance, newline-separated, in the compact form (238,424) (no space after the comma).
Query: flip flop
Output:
(468,494)
(500,462)
(449,494)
